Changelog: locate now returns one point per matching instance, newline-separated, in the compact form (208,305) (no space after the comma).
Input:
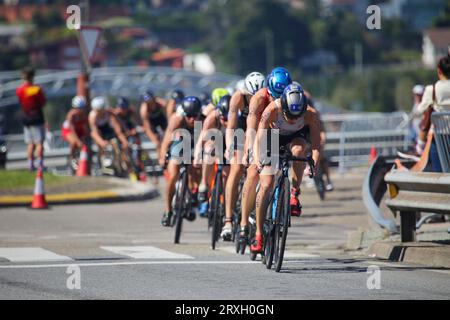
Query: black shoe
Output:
(191,216)
(243,234)
(166,219)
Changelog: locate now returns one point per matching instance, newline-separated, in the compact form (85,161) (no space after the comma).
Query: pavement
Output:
(121,251)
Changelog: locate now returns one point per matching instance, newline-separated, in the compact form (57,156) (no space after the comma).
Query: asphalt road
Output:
(120,251)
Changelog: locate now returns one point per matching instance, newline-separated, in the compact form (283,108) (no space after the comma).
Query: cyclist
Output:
(154,120)
(237,120)
(216,94)
(75,129)
(128,119)
(276,82)
(172,146)
(175,98)
(217,119)
(105,126)
(294,123)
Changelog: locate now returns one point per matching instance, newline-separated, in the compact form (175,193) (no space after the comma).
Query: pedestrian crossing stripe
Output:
(30,254)
(145,252)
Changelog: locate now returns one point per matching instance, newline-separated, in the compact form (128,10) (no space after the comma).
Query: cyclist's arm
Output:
(254,114)
(175,122)
(269,115)
(94,130)
(148,126)
(312,119)
(115,123)
(170,107)
(162,102)
(233,114)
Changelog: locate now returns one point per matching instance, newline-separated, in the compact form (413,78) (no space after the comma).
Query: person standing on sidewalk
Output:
(32,100)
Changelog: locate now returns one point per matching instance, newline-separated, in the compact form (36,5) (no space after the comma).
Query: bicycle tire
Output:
(217,213)
(320,184)
(282,225)
(179,211)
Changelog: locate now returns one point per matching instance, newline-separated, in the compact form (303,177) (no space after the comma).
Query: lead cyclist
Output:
(294,123)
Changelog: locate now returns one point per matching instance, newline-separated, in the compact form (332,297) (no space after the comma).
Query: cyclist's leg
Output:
(298,149)
(173,169)
(207,169)
(266,179)
(249,194)
(231,193)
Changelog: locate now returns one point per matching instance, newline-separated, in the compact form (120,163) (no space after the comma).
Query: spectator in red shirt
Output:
(32,100)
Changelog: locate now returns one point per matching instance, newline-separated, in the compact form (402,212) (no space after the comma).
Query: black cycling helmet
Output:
(177,95)
(224,106)
(123,103)
(192,106)
(147,96)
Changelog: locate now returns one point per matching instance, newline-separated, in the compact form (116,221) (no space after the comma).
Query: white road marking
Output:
(131,263)
(30,255)
(146,252)
(287,254)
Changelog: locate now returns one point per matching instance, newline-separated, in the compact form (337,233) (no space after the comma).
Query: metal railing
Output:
(413,192)
(123,81)
(441,122)
(350,137)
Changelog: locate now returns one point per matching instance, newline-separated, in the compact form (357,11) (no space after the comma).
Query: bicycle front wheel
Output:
(282,225)
(217,214)
(180,206)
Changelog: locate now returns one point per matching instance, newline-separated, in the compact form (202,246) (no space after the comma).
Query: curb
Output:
(129,192)
(421,253)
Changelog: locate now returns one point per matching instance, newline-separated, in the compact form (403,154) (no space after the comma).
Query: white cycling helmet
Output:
(98,103)
(78,102)
(253,82)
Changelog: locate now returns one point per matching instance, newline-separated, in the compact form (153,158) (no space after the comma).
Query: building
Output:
(436,44)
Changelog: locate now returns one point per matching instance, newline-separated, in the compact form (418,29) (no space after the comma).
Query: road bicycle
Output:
(181,201)
(278,219)
(216,212)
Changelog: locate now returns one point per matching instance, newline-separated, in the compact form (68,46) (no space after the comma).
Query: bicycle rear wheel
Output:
(180,204)
(282,224)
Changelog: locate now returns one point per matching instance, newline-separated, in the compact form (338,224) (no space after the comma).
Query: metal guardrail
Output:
(413,192)
(441,122)
(351,136)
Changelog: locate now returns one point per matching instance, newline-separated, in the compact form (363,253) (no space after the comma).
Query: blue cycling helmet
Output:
(277,81)
(294,101)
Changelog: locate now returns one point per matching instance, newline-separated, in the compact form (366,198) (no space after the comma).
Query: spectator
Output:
(417,92)
(437,97)
(32,100)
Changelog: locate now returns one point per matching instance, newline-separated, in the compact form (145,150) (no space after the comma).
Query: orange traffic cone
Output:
(39,201)
(83,163)
(373,154)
